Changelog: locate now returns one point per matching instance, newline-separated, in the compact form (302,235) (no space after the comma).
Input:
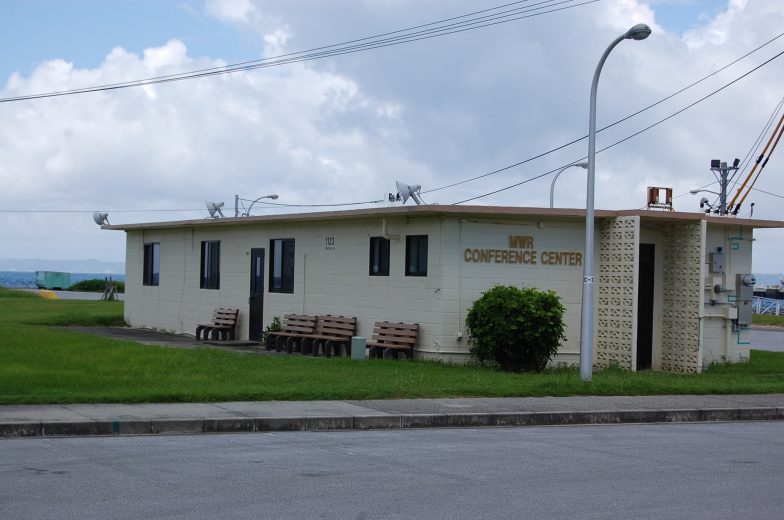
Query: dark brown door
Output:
(645,307)
(256,300)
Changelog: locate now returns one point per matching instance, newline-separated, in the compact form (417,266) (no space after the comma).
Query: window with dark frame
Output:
(416,255)
(379,256)
(210,264)
(152,263)
(281,277)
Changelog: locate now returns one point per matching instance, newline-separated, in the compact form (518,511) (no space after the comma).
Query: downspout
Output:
(459,280)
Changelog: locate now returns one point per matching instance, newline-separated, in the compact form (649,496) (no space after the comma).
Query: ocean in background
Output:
(768,279)
(26,279)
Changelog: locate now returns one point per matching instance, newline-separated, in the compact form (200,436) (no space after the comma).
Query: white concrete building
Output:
(667,294)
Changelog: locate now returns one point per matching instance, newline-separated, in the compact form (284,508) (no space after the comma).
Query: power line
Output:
(314,205)
(757,143)
(691,105)
(92,210)
(296,53)
(332,50)
(241,66)
(635,134)
(187,209)
(561,147)
(768,193)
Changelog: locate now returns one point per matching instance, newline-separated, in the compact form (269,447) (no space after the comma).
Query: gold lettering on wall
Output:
(521,251)
(521,242)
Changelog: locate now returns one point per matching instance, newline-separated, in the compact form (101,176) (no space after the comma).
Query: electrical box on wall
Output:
(744,294)
(717,261)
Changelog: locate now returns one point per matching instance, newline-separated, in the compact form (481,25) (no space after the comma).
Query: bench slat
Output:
(333,329)
(223,320)
(393,336)
(295,326)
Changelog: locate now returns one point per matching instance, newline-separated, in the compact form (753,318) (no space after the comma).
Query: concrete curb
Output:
(378,422)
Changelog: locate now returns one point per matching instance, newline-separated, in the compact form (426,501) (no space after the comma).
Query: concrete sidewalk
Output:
(269,416)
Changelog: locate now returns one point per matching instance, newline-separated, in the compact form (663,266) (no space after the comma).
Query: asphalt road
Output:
(768,339)
(711,471)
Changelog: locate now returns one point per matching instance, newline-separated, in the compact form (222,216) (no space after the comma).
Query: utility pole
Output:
(721,168)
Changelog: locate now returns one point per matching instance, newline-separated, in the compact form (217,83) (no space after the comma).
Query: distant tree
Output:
(95,285)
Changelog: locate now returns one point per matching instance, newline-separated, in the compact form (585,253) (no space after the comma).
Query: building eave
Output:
(566,214)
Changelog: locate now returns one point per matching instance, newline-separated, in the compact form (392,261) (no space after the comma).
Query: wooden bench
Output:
(295,327)
(224,323)
(331,332)
(397,338)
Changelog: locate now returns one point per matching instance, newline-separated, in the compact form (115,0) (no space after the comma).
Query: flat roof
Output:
(564,214)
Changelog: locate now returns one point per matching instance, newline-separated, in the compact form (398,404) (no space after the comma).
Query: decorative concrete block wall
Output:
(683,298)
(616,292)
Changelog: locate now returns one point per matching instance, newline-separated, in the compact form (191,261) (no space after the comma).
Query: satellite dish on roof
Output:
(215,209)
(102,219)
(405,191)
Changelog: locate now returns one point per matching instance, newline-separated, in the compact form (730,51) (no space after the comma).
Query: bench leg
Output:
(346,349)
(199,329)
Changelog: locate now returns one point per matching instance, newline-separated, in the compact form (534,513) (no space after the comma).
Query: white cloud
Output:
(235,11)
(295,131)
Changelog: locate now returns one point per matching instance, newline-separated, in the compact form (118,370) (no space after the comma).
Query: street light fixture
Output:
(583,165)
(638,32)
(704,200)
(247,211)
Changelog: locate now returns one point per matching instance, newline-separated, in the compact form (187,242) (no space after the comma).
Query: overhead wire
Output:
(332,50)
(314,205)
(769,193)
(619,121)
(762,167)
(635,134)
(687,107)
(549,3)
(755,146)
(296,53)
(92,210)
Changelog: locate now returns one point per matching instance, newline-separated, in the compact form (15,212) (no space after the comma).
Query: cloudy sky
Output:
(344,128)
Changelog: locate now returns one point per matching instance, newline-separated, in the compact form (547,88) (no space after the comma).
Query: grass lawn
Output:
(42,364)
(768,320)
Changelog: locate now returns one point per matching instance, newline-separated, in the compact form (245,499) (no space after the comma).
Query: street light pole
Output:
(638,32)
(583,165)
(247,212)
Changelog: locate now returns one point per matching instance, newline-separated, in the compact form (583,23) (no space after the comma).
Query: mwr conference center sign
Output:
(521,250)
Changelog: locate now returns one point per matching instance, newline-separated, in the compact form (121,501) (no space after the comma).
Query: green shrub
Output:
(274,326)
(519,329)
(95,285)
